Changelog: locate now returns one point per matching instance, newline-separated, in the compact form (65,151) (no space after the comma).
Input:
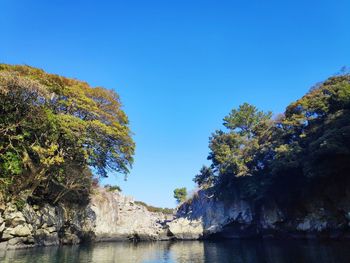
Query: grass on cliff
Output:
(154,209)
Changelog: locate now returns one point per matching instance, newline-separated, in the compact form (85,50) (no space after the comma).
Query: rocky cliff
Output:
(204,217)
(118,217)
(109,216)
(112,216)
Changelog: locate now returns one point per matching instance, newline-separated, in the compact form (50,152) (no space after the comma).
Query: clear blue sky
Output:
(180,66)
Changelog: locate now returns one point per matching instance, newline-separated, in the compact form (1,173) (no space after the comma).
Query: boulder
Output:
(183,228)
(49,216)
(31,216)
(21,231)
(16,218)
(51,229)
(6,234)
(45,238)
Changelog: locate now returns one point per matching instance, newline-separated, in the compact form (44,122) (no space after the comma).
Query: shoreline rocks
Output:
(239,218)
(110,216)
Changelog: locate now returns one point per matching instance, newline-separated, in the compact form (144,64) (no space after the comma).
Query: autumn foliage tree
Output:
(56,133)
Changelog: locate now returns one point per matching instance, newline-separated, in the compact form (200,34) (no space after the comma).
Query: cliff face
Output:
(316,218)
(46,225)
(119,218)
(109,216)
(112,216)
(205,216)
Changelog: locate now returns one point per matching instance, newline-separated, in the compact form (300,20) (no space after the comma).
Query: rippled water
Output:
(247,251)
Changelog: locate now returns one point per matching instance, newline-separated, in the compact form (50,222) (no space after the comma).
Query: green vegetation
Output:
(286,158)
(59,134)
(205,178)
(154,209)
(180,194)
(54,132)
(112,188)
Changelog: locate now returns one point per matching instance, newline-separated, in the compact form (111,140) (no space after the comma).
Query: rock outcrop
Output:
(109,216)
(205,217)
(112,216)
(119,218)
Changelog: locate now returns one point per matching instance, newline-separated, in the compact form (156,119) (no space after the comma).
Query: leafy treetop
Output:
(54,129)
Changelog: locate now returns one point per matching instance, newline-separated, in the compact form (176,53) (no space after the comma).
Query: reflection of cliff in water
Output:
(121,252)
(187,251)
(276,251)
(236,251)
(181,251)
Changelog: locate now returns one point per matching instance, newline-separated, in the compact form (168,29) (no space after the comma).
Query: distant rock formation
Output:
(119,218)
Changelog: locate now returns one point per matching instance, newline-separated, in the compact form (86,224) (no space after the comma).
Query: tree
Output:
(308,145)
(234,152)
(316,130)
(180,194)
(54,130)
(246,120)
(205,178)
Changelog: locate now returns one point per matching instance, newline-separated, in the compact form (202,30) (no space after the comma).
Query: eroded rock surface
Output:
(204,216)
(119,218)
(109,216)
(112,216)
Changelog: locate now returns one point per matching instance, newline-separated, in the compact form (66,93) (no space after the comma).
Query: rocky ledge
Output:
(109,216)
(207,217)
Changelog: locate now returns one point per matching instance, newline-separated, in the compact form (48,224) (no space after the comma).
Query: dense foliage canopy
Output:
(55,131)
(258,156)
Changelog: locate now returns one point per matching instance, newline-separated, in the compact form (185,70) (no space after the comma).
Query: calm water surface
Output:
(247,251)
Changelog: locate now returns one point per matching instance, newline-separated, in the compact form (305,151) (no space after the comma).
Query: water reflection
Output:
(235,251)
